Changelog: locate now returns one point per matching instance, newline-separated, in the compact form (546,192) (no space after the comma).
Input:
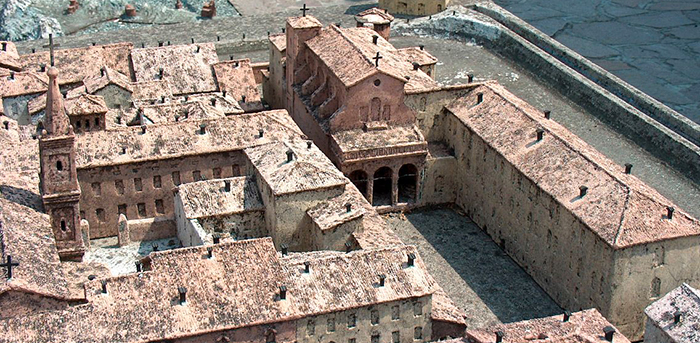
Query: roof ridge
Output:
(353,45)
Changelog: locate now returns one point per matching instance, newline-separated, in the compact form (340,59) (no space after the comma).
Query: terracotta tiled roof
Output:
(109,77)
(618,207)
(237,287)
(237,80)
(279,40)
(349,52)
(151,90)
(225,104)
(169,140)
(80,63)
(304,22)
(9,58)
(186,67)
(584,326)
(683,301)
(24,83)
(209,198)
(355,140)
(414,54)
(81,104)
(333,212)
(374,16)
(309,168)
(179,111)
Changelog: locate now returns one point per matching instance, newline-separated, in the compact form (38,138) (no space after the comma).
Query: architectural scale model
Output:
(253,193)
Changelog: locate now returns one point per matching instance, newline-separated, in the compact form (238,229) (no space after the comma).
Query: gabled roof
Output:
(24,83)
(179,111)
(374,15)
(109,76)
(309,169)
(417,55)
(80,63)
(225,104)
(9,58)
(279,40)
(349,54)
(86,104)
(237,80)
(151,90)
(186,67)
(237,287)
(333,212)
(209,198)
(684,301)
(621,209)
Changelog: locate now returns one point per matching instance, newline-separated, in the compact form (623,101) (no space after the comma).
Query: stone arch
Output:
(408,176)
(381,194)
(359,179)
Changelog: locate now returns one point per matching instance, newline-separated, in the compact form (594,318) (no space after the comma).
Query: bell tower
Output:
(60,190)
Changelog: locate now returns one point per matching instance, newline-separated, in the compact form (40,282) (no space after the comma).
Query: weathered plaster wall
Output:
(653,333)
(274,84)
(439,185)
(413,7)
(335,238)
(428,107)
(283,332)
(317,329)
(115,96)
(236,225)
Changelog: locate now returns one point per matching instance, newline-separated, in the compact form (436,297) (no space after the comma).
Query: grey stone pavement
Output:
(652,44)
(477,275)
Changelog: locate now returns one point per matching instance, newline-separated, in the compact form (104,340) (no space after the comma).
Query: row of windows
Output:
(352,318)
(121,209)
(157,181)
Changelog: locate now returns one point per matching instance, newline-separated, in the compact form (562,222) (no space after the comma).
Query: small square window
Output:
(352,320)
(217,173)
(395,337)
(96,189)
(176,178)
(119,185)
(156,182)
(374,317)
(395,315)
(142,209)
(138,186)
(330,325)
(159,206)
(418,332)
(417,309)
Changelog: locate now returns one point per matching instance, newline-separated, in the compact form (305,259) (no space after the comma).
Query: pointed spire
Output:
(55,121)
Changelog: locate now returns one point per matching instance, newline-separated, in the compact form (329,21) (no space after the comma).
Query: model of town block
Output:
(402,173)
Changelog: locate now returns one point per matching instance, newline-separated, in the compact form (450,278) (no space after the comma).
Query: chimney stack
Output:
(308,144)
(609,332)
(479,98)
(670,211)
(243,98)
(290,155)
(628,168)
(216,239)
(540,134)
(104,286)
(213,101)
(202,128)
(375,38)
(348,207)
(210,252)
(470,78)
(307,267)
(261,132)
(416,66)
(183,294)
(582,191)
(499,336)
(227,185)
(348,247)
(285,249)
(283,292)
(139,266)
(4,46)
(567,315)
(677,318)
(143,129)
(421,47)
(411,259)
(382,277)
(547,114)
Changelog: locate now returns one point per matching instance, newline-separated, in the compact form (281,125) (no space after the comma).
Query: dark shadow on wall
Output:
(500,283)
(22,197)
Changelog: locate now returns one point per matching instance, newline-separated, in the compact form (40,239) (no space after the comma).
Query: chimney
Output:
(102,71)
(285,249)
(183,294)
(348,207)
(499,336)
(582,191)
(479,98)
(416,66)
(609,332)
(12,75)
(628,168)
(227,185)
(4,46)
(540,134)
(223,94)
(202,128)
(290,155)
(139,266)
(348,247)
(308,144)
(670,211)
(42,67)
(547,114)
(104,286)
(143,129)
(677,317)
(283,292)
(411,259)
(261,132)
(421,47)
(307,267)
(567,315)
(382,277)
(192,39)
(470,78)
(216,239)
(160,43)
(375,38)
(213,101)
(210,252)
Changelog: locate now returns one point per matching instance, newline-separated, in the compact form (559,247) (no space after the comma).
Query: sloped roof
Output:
(374,15)
(169,140)
(683,300)
(24,83)
(349,54)
(86,104)
(237,80)
(358,139)
(151,90)
(225,104)
(619,208)
(109,77)
(209,198)
(309,169)
(9,58)
(180,111)
(279,40)
(237,287)
(417,55)
(584,326)
(80,63)
(333,212)
(186,67)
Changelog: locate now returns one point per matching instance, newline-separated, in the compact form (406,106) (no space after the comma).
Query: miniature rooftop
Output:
(210,198)
(9,58)
(375,16)
(187,67)
(147,302)
(349,54)
(170,140)
(585,326)
(308,168)
(236,78)
(107,77)
(22,83)
(396,136)
(684,301)
(618,207)
(197,109)
(75,105)
(329,214)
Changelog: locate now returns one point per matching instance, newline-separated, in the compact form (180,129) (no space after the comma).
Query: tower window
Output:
(59,165)
(63,225)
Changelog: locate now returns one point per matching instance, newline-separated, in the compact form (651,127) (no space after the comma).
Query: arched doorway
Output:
(382,187)
(408,175)
(359,179)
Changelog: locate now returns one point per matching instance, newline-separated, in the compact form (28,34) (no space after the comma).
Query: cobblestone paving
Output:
(652,44)
(477,275)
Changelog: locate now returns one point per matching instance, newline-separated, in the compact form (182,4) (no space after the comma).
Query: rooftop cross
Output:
(303,10)
(9,265)
(51,45)
(376,59)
